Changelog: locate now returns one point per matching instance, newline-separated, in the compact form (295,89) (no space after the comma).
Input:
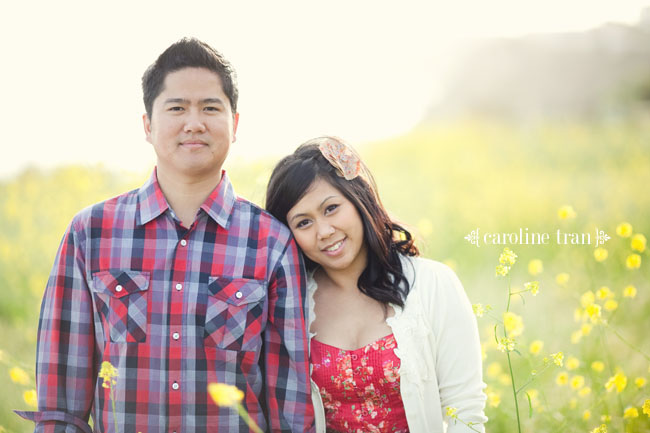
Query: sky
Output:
(362,70)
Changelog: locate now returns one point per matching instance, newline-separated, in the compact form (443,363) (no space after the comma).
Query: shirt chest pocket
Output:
(235,313)
(121,301)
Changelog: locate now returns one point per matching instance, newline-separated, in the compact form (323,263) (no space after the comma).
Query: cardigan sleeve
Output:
(458,361)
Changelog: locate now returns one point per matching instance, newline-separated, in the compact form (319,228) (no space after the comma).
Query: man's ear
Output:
(147,127)
(235,122)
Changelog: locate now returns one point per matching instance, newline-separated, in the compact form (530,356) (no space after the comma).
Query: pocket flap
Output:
(120,282)
(236,291)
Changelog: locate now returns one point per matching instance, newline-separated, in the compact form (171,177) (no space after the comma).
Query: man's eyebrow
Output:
(186,101)
(212,101)
(176,101)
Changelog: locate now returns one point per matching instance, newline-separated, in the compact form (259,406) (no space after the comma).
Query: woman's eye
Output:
(331,208)
(302,224)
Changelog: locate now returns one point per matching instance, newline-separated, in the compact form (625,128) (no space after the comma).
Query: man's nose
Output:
(194,122)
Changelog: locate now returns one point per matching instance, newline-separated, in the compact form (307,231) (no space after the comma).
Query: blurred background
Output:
(494,115)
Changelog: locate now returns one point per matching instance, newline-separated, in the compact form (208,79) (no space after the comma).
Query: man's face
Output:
(192,125)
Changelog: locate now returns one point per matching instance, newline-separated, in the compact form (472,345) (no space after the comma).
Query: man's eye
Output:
(175,108)
(212,108)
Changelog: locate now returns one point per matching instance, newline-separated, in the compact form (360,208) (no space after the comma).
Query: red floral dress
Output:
(360,388)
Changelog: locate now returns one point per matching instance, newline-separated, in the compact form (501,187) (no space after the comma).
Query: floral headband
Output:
(343,158)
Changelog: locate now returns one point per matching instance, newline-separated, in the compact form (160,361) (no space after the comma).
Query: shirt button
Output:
(118,288)
(238,295)
(183,242)
(176,336)
(175,386)
(179,286)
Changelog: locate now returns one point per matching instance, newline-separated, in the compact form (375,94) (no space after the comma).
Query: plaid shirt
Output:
(173,309)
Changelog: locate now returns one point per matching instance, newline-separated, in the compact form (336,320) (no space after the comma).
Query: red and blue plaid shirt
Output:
(173,309)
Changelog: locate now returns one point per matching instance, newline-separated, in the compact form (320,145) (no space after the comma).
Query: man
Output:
(177,284)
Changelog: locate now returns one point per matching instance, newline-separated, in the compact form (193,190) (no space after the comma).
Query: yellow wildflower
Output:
(629,291)
(586,414)
(631,412)
(594,313)
(610,305)
(646,407)
(225,395)
(480,310)
(558,358)
(513,323)
(618,381)
(535,267)
(638,242)
(30,398)
(536,347)
(633,261)
(597,366)
(584,391)
(572,363)
(577,382)
(504,379)
(585,329)
(576,336)
(604,293)
(566,212)
(640,382)
(506,344)
(562,378)
(601,429)
(494,369)
(493,399)
(587,298)
(19,376)
(562,278)
(107,372)
(533,286)
(451,412)
(624,229)
(502,270)
(507,257)
(605,418)
(600,254)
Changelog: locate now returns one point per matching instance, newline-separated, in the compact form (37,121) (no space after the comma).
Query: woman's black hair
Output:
(383,278)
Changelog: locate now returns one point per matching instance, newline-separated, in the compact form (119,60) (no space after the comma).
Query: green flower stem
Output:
(117,428)
(514,392)
(630,345)
(532,379)
(252,424)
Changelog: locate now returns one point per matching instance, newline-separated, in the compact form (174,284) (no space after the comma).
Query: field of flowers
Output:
(563,323)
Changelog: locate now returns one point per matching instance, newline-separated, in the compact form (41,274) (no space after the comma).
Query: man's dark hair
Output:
(383,279)
(188,53)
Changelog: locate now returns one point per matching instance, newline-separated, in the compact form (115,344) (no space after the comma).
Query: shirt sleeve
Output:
(458,364)
(65,370)
(286,358)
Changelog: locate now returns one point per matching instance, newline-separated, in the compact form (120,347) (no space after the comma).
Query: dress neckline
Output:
(385,337)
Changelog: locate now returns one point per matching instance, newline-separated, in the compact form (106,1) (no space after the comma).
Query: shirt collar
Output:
(218,205)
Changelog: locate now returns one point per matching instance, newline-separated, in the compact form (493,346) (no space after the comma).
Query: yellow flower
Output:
(225,395)
(597,366)
(601,429)
(605,418)
(494,399)
(618,381)
(562,278)
(19,376)
(604,293)
(562,378)
(507,257)
(600,254)
(577,382)
(586,414)
(533,286)
(535,267)
(480,310)
(587,298)
(633,261)
(566,212)
(572,363)
(536,347)
(585,329)
(504,379)
(30,398)
(640,382)
(593,311)
(584,391)
(638,242)
(629,291)
(558,358)
(513,323)
(646,407)
(451,412)
(502,270)
(506,344)
(631,412)
(610,305)
(494,369)
(107,372)
(624,229)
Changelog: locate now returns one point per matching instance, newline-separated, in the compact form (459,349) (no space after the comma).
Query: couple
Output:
(333,323)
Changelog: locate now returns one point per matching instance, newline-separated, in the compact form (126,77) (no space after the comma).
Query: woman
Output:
(393,341)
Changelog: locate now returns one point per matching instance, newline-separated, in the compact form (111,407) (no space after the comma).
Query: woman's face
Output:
(328,228)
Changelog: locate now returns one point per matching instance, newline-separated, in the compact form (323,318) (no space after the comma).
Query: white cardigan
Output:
(439,349)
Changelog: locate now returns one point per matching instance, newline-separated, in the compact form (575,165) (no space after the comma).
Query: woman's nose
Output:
(325,230)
